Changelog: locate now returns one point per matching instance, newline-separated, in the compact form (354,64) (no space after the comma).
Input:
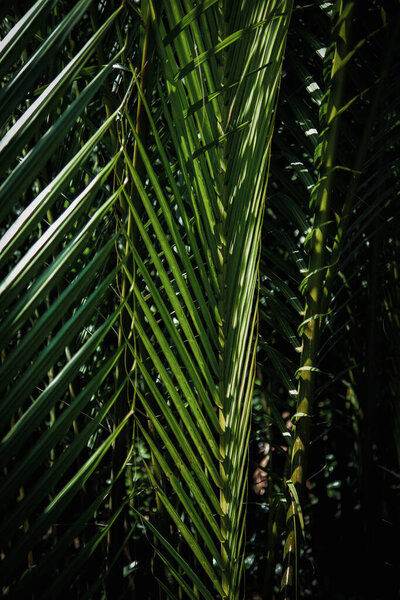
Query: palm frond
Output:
(57,296)
(196,276)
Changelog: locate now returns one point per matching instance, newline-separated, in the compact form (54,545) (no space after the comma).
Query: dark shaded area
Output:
(353,488)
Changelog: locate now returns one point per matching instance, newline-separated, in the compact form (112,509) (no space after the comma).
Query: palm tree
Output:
(146,265)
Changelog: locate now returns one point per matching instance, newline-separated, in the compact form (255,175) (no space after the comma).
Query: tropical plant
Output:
(159,300)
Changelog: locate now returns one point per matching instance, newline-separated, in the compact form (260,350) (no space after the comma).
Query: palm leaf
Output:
(57,296)
(196,274)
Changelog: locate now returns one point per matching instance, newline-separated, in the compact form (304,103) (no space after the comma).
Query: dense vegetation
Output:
(200,302)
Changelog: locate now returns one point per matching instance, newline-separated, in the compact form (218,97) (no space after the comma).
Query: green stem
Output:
(221,277)
(315,293)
